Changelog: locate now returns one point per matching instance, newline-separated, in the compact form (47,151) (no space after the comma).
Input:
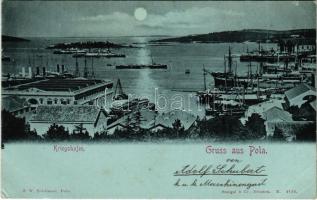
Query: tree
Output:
(278,134)
(101,136)
(56,133)
(178,129)
(80,133)
(14,128)
(256,126)
(307,133)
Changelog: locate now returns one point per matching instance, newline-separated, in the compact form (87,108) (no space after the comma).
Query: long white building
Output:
(61,91)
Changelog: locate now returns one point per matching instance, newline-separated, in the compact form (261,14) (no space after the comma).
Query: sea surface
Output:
(141,83)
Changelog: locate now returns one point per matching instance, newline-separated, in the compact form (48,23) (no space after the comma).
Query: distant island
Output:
(88,45)
(6,38)
(250,35)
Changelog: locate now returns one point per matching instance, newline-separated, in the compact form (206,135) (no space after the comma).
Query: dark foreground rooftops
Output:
(66,114)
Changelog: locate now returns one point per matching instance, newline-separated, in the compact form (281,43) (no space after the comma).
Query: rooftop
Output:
(313,104)
(147,117)
(13,103)
(277,114)
(64,85)
(69,113)
(298,90)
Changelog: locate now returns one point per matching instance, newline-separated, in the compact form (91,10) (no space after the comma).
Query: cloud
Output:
(115,16)
(193,19)
(190,18)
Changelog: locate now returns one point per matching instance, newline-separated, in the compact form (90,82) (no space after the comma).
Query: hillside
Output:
(251,35)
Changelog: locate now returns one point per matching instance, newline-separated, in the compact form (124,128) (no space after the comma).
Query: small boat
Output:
(187,71)
(6,58)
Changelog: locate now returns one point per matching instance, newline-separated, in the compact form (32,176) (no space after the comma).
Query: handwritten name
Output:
(221,169)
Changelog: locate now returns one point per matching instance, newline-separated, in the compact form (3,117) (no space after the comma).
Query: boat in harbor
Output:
(274,76)
(153,65)
(223,107)
(70,51)
(6,58)
(118,93)
(142,66)
(271,58)
(99,54)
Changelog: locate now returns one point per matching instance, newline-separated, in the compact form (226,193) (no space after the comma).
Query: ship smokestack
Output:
(37,71)
(23,72)
(30,72)
(63,68)
(57,68)
(44,72)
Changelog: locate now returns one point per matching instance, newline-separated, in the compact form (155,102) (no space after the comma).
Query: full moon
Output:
(140,14)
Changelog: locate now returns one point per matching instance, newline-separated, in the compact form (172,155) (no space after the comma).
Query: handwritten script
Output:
(221,175)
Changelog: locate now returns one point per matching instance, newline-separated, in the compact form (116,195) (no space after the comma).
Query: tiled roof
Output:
(298,90)
(59,85)
(63,113)
(313,104)
(147,117)
(277,114)
(13,103)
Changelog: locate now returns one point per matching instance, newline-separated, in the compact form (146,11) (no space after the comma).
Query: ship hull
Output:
(141,67)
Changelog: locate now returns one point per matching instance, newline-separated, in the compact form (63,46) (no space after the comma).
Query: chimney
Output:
(37,71)
(57,68)
(63,68)
(23,72)
(30,72)
(44,72)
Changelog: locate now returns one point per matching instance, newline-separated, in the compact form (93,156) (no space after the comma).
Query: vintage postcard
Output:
(158,99)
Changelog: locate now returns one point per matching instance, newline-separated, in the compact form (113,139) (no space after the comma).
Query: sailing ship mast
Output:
(85,69)
(205,87)
(118,92)
(230,61)
(77,73)
(92,68)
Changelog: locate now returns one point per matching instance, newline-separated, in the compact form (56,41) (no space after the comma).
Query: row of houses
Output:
(94,119)
(296,110)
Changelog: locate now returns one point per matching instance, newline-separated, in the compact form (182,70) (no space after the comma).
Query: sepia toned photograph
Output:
(105,91)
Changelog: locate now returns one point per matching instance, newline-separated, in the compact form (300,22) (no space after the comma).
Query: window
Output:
(63,102)
(33,101)
(49,101)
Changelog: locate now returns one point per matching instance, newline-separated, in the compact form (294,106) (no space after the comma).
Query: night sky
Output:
(94,19)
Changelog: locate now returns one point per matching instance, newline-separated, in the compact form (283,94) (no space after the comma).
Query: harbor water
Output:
(171,84)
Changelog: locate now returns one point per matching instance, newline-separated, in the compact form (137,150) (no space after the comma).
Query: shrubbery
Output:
(220,128)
